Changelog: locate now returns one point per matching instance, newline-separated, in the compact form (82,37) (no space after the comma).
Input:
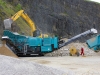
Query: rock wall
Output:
(65,18)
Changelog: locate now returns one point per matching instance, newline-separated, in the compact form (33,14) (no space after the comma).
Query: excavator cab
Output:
(36,33)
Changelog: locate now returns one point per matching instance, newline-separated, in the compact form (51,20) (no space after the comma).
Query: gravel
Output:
(14,66)
(64,51)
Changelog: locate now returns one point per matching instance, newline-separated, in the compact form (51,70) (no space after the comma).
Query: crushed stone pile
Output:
(64,51)
(4,50)
(15,66)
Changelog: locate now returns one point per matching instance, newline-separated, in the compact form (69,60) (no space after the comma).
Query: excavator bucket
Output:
(7,23)
(4,50)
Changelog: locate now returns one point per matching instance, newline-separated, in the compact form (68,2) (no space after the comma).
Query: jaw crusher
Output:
(23,45)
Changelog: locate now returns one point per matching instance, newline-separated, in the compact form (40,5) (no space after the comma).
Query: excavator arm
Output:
(21,13)
(17,15)
(29,21)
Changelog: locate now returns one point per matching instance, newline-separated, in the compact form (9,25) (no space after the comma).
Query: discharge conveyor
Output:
(91,31)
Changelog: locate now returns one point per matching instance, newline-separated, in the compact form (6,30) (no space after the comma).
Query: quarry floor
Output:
(82,65)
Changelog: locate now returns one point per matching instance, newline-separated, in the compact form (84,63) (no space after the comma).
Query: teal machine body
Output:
(30,45)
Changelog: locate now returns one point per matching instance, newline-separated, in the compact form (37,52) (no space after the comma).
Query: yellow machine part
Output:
(6,51)
(21,13)
(73,51)
(32,25)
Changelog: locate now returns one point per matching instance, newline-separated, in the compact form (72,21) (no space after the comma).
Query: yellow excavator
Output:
(21,13)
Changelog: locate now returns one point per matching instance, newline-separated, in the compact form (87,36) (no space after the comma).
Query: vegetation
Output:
(18,7)
(7,10)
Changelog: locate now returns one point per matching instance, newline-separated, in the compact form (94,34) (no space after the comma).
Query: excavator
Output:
(21,13)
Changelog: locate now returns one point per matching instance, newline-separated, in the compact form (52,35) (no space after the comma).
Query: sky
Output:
(96,1)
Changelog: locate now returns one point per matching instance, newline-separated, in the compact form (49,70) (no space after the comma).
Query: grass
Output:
(9,10)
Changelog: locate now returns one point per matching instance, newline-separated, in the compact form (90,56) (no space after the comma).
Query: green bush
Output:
(18,7)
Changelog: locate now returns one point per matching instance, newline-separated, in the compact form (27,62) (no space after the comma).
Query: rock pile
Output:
(14,66)
(65,50)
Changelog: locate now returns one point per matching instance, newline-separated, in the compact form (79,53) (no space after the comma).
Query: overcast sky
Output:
(96,1)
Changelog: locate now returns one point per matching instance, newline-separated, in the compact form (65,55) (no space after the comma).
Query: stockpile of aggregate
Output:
(64,51)
(15,66)
(5,50)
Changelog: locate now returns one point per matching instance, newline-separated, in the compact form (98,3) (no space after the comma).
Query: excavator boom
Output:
(17,15)
(21,13)
(29,21)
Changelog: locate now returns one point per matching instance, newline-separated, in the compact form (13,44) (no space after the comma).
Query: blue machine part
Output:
(94,42)
(28,40)
(46,49)
(34,41)
(55,42)
(15,37)
(46,44)
(50,40)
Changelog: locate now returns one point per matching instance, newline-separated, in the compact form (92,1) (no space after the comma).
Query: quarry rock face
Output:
(1,28)
(64,18)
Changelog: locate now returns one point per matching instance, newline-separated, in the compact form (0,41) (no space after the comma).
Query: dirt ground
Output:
(82,65)
(4,50)
(87,65)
